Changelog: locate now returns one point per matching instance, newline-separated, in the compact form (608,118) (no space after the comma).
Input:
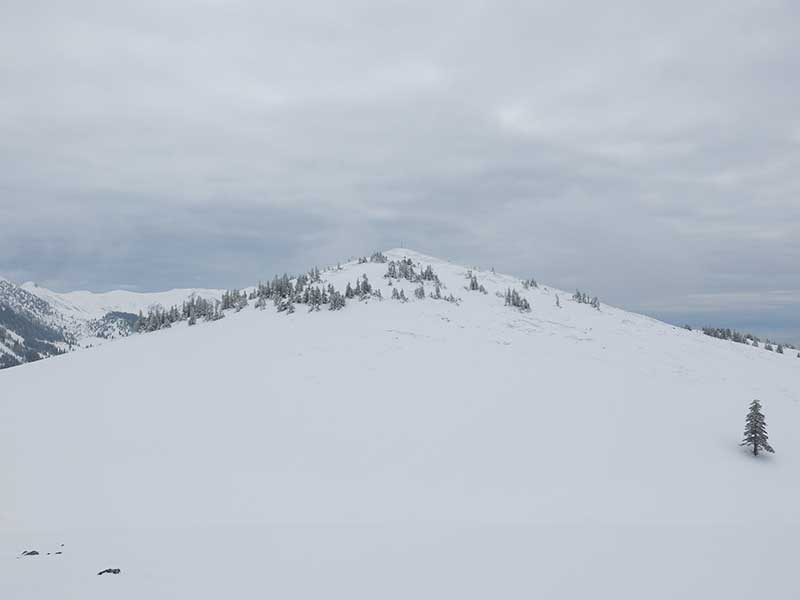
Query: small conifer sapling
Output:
(755,430)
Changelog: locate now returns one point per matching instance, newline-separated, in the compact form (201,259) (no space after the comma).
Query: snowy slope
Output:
(402,450)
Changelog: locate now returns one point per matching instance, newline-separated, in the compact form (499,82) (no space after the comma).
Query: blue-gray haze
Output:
(647,152)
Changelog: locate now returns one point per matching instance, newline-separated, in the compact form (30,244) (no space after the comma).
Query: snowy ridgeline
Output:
(37,323)
(455,447)
(404,269)
(399,275)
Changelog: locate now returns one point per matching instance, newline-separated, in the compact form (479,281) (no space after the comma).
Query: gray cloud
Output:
(648,152)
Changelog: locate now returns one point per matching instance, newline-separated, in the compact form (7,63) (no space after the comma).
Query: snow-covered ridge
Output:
(540,305)
(81,318)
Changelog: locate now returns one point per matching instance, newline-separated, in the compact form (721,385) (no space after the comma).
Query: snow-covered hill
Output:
(419,449)
(38,323)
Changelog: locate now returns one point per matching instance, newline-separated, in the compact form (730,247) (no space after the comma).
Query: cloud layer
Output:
(648,152)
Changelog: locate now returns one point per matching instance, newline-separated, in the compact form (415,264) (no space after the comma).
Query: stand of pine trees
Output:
(405,269)
(284,292)
(474,286)
(582,298)
(192,309)
(725,333)
(513,298)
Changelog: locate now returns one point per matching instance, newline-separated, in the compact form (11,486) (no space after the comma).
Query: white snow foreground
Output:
(402,450)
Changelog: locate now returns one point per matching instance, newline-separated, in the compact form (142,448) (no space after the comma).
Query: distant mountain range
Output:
(37,323)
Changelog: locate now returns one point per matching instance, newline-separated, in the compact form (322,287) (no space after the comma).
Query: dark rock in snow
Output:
(30,553)
(112,571)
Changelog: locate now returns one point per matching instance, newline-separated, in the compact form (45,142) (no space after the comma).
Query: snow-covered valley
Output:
(419,449)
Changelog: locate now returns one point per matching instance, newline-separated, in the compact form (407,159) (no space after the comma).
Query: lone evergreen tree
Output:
(755,430)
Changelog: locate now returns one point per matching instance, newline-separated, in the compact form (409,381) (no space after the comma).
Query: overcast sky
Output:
(648,152)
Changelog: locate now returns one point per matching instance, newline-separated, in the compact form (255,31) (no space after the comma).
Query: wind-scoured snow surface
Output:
(402,450)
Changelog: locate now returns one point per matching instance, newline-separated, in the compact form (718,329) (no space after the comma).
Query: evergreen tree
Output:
(366,286)
(755,430)
(337,301)
(428,274)
(405,270)
(377,257)
(513,298)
